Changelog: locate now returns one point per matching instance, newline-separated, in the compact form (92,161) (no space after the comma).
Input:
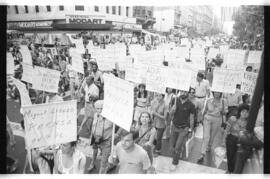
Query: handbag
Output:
(137,140)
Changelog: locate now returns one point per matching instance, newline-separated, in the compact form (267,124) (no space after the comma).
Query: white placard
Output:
(225,80)
(49,124)
(118,101)
(249,82)
(155,79)
(234,56)
(27,74)
(10,64)
(254,56)
(212,53)
(26,55)
(77,63)
(178,78)
(78,42)
(46,79)
(132,73)
(25,99)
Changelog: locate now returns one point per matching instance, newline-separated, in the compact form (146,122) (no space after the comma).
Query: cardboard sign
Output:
(212,53)
(254,56)
(225,80)
(234,56)
(133,73)
(17,129)
(49,124)
(25,99)
(53,51)
(249,82)
(155,79)
(26,55)
(27,74)
(77,63)
(10,64)
(118,101)
(178,79)
(46,79)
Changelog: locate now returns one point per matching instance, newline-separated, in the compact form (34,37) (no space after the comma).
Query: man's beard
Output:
(183,97)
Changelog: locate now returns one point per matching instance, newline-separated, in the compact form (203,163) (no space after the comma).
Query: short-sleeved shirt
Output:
(213,108)
(91,90)
(102,127)
(183,112)
(201,88)
(161,110)
(134,162)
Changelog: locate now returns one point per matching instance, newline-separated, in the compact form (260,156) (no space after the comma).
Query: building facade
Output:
(144,16)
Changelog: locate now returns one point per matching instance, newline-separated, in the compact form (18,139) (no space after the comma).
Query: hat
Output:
(99,104)
(200,75)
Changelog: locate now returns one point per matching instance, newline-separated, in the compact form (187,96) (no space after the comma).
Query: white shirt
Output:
(201,88)
(71,72)
(92,90)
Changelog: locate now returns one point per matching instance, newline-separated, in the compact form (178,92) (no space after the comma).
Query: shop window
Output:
(79,8)
(127,13)
(48,8)
(119,10)
(26,9)
(113,10)
(107,10)
(37,9)
(16,9)
(96,8)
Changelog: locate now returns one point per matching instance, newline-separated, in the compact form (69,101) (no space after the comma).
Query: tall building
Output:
(144,16)
(76,17)
(227,18)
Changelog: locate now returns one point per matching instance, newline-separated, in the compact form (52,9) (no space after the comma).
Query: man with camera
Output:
(101,138)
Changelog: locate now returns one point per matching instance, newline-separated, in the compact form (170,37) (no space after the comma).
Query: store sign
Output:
(127,26)
(85,19)
(39,24)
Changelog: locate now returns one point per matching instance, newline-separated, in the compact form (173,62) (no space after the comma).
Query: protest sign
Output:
(17,129)
(118,101)
(254,56)
(155,79)
(27,74)
(223,49)
(212,53)
(182,53)
(105,65)
(77,63)
(49,124)
(10,64)
(185,41)
(178,78)
(26,55)
(78,43)
(133,73)
(46,79)
(53,51)
(234,56)
(25,99)
(249,82)
(225,80)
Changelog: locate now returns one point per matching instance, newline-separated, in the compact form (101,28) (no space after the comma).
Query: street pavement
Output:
(162,163)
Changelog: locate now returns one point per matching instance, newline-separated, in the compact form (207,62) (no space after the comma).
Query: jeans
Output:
(211,126)
(178,137)
(231,149)
(160,132)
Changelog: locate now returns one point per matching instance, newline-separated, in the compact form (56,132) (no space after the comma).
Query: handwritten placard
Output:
(155,79)
(49,124)
(225,80)
(25,99)
(249,82)
(10,64)
(234,56)
(26,55)
(118,101)
(254,56)
(77,63)
(212,53)
(46,79)
(27,74)
(178,78)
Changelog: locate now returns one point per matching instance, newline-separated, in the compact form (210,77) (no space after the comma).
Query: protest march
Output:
(132,108)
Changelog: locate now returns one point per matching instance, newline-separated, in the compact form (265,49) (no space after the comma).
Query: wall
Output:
(167,14)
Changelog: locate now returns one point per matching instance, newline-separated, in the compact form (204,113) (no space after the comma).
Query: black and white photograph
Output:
(134,89)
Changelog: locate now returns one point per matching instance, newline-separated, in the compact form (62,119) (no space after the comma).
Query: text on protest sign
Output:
(212,53)
(25,99)
(118,101)
(77,63)
(249,82)
(49,124)
(225,80)
(10,64)
(46,79)
(254,56)
(132,73)
(26,55)
(234,56)
(27,74)
(155,79)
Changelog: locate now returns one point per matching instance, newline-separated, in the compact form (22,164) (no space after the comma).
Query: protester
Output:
(213,115)
(233,100)
(195,101)
(169,96)
(132,158)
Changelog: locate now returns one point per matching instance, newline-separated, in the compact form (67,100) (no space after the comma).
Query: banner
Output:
(25,99)
(178,78)
(155,79)
(254,56)
(77,62)
(118,101)
(225,80)
(27,74)
(26,54)
(49,124)
(10,64)
(249,82)
(46,79)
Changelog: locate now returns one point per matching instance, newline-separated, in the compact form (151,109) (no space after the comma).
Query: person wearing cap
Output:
(91,94)
(202,90)
(101,138)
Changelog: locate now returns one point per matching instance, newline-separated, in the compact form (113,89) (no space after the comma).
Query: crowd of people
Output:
(173,116)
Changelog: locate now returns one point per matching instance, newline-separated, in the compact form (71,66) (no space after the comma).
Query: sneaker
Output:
(173,167)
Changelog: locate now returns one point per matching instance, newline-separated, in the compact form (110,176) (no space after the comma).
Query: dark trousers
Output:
(231,149)
(160,132)
(242,154)
(177,139)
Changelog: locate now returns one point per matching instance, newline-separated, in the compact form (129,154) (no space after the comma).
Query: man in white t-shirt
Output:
(133,159)
(202,90)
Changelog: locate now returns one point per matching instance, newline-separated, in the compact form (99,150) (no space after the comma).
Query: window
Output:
(150,13)
(48,8)
(96,8)
(26,9)
(79,8)
(138,12)
(16,9)
(127,9)
(61,8)
(143,12)
(113,10)
(37,9)
(107,10)
(119,10)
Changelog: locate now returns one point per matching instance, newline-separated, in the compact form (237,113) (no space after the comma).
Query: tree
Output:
(249,23)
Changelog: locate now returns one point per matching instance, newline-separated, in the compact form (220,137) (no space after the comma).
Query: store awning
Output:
(65,26)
